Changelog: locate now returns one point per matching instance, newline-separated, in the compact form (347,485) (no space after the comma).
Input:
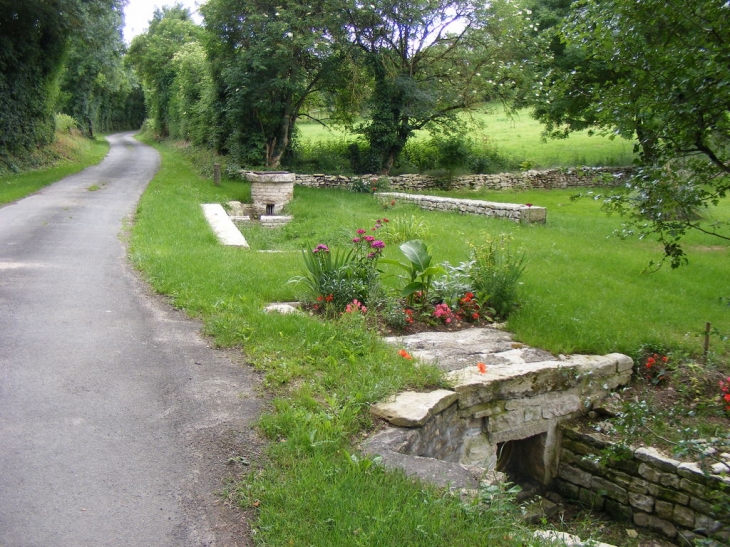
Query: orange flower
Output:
(482,368)
(403,353)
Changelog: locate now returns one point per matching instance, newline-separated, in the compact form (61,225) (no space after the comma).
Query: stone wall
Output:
(526,214)
(677,500)
(550,178)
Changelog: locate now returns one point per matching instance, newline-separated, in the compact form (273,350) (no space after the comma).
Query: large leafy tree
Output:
(95,85)
(428,60)
(152,53)
(40,41)
(660,71)
(269,60)
(34,36)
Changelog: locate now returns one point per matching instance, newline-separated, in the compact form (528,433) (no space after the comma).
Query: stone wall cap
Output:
(413,409)
(652,456)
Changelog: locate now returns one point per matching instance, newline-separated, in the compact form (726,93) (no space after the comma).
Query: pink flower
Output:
(321,248)
(356,240)
(369,239)
(377,244)
(360,231)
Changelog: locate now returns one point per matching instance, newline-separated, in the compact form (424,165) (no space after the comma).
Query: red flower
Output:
(329,298)
(403,353)
(482,368)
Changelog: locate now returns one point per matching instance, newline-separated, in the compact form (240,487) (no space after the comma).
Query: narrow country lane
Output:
(116,419)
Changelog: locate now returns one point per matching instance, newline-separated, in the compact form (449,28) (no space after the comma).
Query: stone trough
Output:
(503,419)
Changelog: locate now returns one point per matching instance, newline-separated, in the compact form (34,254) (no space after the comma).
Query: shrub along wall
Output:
(551,178)
(678,500)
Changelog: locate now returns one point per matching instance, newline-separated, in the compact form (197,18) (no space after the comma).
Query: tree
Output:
(269,60)
(33,38)
(94,83)
(428,60)
(152,53)
(657,70)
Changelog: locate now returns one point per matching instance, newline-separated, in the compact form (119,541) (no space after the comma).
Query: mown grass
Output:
(583,292)
(70,155)
(518,138)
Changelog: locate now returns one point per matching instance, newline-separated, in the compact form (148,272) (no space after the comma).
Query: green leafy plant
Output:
(419,271)
(454,284)
(405,228)
(336,279)
(496,272)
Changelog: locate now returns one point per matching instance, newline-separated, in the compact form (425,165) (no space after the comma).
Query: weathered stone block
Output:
(641,502)
(411,409)
(656,459)
(567,456)
(575,475)
(561,406)
(639,485)
(704,507)
(670,480)
(707,524)
(567,489)
(621,479)
(684,516)
(649,473)
(656,524)
(667,494)
(610,489)
(694,488)
(692,471)
(664,509)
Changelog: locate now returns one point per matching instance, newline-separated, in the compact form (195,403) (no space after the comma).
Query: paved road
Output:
(116,419)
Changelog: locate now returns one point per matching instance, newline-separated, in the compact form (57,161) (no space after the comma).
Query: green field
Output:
(517,137)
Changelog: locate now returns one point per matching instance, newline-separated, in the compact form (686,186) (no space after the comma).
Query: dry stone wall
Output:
(675,499)
(545,179)
(522,213)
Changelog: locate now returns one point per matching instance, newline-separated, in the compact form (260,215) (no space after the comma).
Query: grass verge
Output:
(68,155)
(583,292)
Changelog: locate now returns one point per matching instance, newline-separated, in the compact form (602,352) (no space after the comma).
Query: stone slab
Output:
(412,409)
(222,225)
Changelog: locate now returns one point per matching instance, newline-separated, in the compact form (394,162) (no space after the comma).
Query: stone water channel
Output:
(509,416)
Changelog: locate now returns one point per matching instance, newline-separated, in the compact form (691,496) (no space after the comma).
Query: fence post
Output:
(217,174)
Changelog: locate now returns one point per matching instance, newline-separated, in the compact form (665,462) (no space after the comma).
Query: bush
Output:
(66,124)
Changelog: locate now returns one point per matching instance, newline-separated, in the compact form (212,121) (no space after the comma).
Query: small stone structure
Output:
(514,407)
(522,213)
(222,225)
(677,500)
(270,191)
(544,179)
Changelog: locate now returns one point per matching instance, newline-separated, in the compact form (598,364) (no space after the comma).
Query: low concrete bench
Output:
(523,213)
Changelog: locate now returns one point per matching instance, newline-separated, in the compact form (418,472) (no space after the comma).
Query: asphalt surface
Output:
(118,424)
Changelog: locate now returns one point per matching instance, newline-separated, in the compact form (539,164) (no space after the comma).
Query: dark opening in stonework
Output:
(269,208)
(523,460)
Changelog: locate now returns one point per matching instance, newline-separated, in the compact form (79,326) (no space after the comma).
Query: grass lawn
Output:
(583,291)
(518,138)
(69,155)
